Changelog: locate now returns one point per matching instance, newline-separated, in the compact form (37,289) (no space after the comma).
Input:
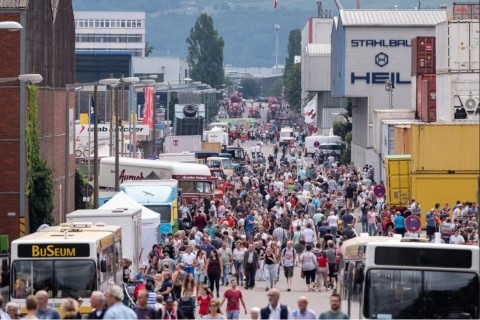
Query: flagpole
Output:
(90,106)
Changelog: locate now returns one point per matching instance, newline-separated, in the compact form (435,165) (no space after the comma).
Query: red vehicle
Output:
(235,107)
(220,179)
(253,112)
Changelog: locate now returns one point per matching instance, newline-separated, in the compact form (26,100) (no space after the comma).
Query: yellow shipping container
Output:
(397,173)
(402,139)
(438,147)
(428,189)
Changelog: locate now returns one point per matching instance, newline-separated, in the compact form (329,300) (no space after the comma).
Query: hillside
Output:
(247,26)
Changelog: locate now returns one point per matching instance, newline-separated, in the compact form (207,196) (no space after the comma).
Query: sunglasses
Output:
(213,305)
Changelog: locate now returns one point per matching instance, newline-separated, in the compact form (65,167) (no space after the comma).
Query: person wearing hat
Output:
(169,310)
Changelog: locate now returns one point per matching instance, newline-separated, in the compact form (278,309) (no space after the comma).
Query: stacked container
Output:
(423,75)
(458,64)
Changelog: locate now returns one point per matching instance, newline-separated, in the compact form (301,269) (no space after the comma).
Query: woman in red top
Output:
(322,271)
(203,300)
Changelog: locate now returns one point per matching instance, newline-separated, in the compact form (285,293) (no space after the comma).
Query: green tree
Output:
(293,88)
(205,52)
(148,49)
(274,89)
(294,48)
(39,186)
(251,88)
(81,182)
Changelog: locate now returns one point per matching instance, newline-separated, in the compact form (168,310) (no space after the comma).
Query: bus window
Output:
(203,187)
(165,212)
(72,278)
(187,186)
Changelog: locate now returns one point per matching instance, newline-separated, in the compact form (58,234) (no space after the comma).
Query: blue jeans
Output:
(233,315)
(271,274)
(226,271)
(334,233)
(372,229)
(238,270)
(189,270)
(364,226)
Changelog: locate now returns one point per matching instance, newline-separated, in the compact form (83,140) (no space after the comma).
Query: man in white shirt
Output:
(275,310)
(456,238)
(187,258)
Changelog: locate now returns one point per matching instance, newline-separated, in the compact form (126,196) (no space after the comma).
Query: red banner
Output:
(148,108)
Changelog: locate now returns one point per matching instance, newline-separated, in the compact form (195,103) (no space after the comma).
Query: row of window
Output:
(135,52)
(108,38)
(108,23)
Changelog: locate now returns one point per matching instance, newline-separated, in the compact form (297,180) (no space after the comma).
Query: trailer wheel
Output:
(190,110)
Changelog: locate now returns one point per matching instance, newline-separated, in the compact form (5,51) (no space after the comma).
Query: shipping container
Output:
(397,173)
(388,114)
(423,55)
(177,144)
(443,148)
(212,146)
(428,189)
(388,135)
(458,97)
(402,139)
(419,94)
(427,109)
(413,94)
(457,46)
(463,11)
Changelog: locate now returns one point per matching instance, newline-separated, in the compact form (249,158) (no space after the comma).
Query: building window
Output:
(107,23)
(139,23)
(129,23)
(97,23)
(122,24)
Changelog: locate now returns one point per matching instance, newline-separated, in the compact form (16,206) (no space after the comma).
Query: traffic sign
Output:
(316,144)
(413,223)
(379,190)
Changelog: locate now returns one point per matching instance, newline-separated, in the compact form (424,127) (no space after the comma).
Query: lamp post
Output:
(389,86)
(10,25)
(276,27)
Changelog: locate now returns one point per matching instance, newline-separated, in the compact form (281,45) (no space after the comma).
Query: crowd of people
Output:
(276,219)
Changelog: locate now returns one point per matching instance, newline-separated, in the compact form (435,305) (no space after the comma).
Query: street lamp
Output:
(389,86)
(276,27)
(10,25)
(32,78)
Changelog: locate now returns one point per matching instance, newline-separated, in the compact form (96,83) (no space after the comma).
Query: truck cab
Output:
(223,163)
(238,154)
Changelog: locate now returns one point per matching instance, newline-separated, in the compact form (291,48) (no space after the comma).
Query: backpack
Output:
(284,251)
(187,305)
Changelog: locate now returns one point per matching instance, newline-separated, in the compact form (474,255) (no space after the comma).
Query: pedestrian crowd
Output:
(276,219)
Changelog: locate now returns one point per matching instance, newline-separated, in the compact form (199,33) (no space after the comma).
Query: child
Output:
(203,301)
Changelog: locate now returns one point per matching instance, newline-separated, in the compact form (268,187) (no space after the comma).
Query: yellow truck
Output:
(426,188)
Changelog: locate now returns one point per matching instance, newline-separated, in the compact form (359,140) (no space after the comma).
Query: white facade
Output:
(370,47)
(110,31)
(168,69)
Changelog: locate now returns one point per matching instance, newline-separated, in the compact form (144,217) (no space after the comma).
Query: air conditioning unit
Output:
(466,107)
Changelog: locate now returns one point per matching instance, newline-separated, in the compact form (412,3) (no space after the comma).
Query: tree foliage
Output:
(148,49)
(294,48)
(251,88)
(274,89)
(205,52)
(293,88)
(81,182)
(40,184)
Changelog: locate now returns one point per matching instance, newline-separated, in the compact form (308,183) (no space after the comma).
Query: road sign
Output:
(379,190)
(413,223)
(316,144)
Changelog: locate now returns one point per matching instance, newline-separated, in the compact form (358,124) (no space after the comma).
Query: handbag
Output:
(302,275)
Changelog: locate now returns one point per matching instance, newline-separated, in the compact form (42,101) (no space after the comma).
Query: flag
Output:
(92,110)
(275,4)
(148,108)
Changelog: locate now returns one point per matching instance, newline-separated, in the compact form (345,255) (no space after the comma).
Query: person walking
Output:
(275,310)
(250,262)
(116,308)
(214,271)
(335,311)
(44,311)
(309,266)
(399,223)
(287,261)
(226,256)
(303,312)
(331,255)
(372,221)
(142,309)
(97,302)
(234,297)
(270,266)
(322,271)
(214,312)
(203,301)
(238,255)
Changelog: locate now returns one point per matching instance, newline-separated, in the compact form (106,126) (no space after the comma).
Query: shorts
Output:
(288,271)
(199,277)
(331,270)
(431,230)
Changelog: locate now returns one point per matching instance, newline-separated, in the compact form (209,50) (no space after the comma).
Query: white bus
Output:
(67,261)
(416,280)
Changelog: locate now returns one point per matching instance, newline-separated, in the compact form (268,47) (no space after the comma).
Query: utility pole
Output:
(276,27)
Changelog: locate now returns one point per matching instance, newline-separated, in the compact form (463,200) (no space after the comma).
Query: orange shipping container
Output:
(442,147)
(402,139)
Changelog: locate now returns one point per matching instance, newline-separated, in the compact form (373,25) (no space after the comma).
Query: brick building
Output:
(45,45)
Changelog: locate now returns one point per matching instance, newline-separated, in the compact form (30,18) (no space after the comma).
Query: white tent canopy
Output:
(150,219)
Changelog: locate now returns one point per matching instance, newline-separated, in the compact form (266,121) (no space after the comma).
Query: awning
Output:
(310,111)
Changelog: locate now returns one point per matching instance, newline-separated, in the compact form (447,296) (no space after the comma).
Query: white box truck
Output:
(129,219)
(179,144)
